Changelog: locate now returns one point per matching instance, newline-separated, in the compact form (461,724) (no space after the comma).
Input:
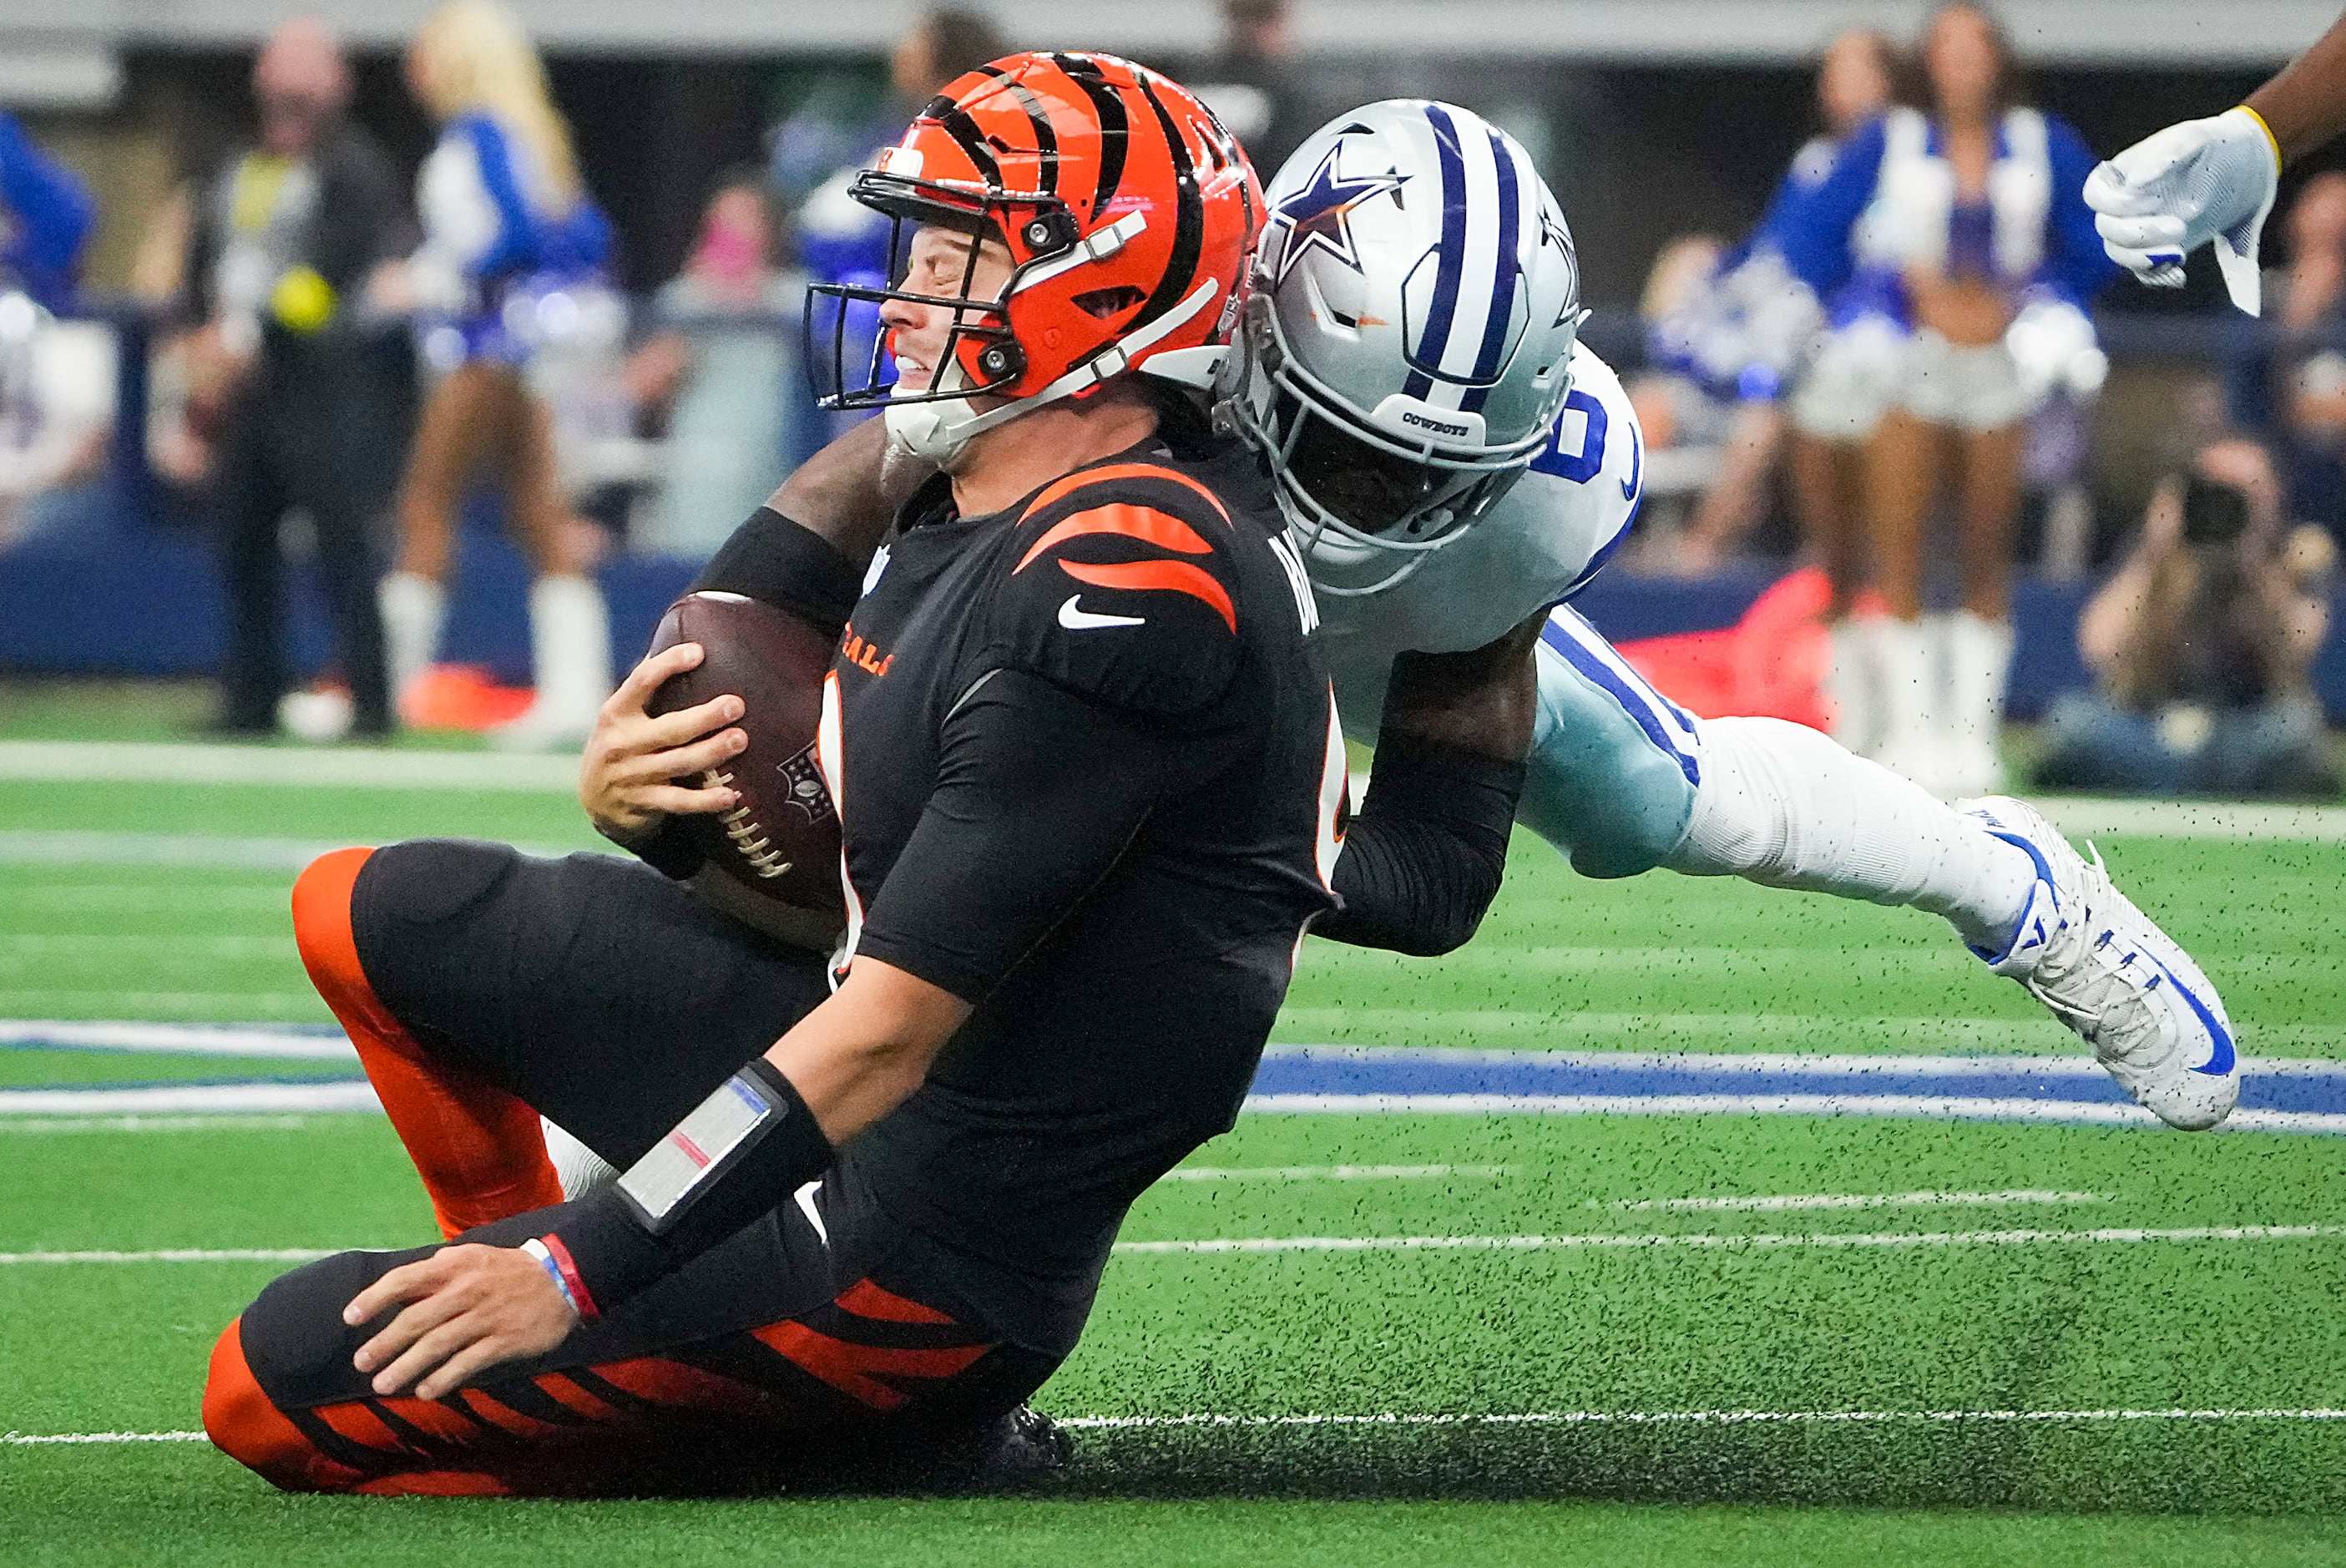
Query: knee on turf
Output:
(322,904)
(246,1426)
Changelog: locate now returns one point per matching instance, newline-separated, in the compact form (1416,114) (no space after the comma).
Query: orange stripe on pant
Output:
(855,1371)
(244,1425)
(479,1150)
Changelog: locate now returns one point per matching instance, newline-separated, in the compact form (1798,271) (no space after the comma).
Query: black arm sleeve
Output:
(1039,792)
(1422,860)
(777,562)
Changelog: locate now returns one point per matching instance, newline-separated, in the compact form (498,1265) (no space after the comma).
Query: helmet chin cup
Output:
(932,431)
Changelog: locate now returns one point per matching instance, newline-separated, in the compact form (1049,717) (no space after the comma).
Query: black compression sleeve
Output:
(1422,860)
(735,1157)
(1038,791)
(675,849)
(775,561)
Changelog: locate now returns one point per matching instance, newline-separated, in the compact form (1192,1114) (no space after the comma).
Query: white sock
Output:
(1782,806)
(1979,661)
(570,647)
(1911,743)
(413,608)
(1854,683)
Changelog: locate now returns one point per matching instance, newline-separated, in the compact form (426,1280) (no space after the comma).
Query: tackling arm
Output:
(2305,105)
(1424,858)
(2214,178)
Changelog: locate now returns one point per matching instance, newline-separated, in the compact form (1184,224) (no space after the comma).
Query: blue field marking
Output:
(2281,1096)
(2277,1095)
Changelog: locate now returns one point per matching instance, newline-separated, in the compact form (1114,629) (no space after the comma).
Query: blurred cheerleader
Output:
(1966,220)
(508,229)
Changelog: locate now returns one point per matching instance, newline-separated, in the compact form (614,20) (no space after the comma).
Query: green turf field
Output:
(1580,1372)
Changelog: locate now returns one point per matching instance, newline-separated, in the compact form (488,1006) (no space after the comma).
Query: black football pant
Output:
(483,987)
(322,430)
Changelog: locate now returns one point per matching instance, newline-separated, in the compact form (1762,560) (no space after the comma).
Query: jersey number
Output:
(1582,464)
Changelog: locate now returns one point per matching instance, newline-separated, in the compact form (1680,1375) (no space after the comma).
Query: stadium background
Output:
(1710,1317)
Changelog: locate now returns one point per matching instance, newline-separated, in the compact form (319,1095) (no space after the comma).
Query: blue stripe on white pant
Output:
(1614,763)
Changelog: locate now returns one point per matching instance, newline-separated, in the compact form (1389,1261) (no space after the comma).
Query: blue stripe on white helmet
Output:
(1407,348)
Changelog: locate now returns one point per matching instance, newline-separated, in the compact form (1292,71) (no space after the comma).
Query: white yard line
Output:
(1917,1107)
(2084,817)
(356,1095)
(1846,1200)
(140,949)
(1897,1105)
(195,1123)
(180,851)
(1680,1033)
(43,1440)
(1529,1419)
(1330,1173)
(1215,1245)
(1348,1244)
(179,1255)
(341,767)
(1691,1418)
(323,1043)
(1838,1064)
(227,1005)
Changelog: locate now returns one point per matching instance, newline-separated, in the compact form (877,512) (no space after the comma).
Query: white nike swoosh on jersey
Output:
(805,1197)
(1076,619)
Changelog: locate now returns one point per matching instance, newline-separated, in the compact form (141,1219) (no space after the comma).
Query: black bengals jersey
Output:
(1088,775)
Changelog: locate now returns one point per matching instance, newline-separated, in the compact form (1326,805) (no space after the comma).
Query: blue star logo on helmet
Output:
(1315,218)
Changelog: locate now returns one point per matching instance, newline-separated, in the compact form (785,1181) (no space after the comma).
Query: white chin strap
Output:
(935,432)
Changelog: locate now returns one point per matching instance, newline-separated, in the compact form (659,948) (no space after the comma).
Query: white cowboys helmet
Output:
(1407,347)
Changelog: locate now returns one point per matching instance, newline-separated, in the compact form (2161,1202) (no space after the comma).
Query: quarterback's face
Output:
(944,264)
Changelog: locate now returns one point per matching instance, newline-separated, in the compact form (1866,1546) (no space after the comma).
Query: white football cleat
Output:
(2104,969)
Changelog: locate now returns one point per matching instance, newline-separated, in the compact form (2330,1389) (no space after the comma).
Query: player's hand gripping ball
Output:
(772,860)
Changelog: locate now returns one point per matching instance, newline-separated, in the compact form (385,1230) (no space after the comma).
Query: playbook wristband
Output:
(736,1157)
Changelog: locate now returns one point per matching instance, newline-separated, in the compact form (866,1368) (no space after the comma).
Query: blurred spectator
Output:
(57,377)
(509,236)
(1763,333)
(46,216)
(840,128)
(1683,415)
(840,239)
(1970,218)
(2200,647)
(723,389)
(1750,334)
(314,389)
(2307,389)
(1252,84)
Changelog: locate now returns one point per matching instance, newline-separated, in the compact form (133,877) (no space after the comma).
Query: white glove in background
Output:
(2179,188)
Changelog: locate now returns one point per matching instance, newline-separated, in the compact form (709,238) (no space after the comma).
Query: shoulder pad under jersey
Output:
(1122,584)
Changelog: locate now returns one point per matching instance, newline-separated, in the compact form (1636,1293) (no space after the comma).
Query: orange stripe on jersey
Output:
(1177,577)
(1145,523)
(1115,471)
(866,1299)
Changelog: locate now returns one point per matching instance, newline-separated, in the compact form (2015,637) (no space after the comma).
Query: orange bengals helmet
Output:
(1129,214)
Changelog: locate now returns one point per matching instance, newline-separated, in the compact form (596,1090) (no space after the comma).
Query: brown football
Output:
(773,861)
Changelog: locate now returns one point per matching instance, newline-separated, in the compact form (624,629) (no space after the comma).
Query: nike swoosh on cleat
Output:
(1078,619)
(2220,1060)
